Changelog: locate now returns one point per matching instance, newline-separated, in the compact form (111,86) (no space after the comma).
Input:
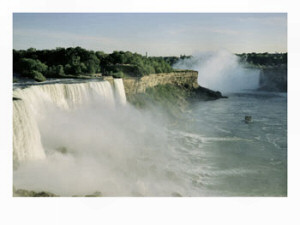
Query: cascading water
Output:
(35,102)
(120,91)
(26,139)
(74,139)
(89,144)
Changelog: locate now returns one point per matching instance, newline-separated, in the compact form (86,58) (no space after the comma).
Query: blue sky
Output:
(155,33)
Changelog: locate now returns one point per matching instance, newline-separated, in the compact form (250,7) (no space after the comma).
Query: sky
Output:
(158,34)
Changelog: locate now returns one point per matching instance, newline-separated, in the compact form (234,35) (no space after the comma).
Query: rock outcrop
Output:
(27,193)
(187,79)
(182,78)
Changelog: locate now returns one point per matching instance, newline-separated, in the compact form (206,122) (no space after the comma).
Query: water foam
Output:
(221,70)
(90,144)
(36,103)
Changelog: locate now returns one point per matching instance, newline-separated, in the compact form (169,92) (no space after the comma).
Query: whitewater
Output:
(76,138)
(79,138)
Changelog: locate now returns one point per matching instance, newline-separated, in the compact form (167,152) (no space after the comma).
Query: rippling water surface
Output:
(228,157)
(106,145)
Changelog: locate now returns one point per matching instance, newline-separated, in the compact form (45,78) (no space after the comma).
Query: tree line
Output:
(66,62)
(79,62)
(264,59)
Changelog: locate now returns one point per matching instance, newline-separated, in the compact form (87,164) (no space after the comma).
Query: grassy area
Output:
(168,98)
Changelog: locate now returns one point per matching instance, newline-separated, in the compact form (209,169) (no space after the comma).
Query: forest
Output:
(81,63)
(264,59)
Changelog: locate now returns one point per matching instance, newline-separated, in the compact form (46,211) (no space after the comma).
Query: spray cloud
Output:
(221,70)
(92,141)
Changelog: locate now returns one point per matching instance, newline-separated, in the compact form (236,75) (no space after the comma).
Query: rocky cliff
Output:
(273,79)
(186,79)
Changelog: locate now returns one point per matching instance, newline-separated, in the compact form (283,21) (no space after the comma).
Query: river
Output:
(228,157)
(77,139)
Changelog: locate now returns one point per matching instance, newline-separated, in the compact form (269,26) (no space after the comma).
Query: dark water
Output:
(228,157)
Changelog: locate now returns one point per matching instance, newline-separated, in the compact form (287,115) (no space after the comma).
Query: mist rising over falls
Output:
(221,70)
(75,139)
(38,103)
(78,138)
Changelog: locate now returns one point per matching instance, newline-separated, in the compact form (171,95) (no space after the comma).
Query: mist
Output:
(78,138)
(97,146)
(222,71)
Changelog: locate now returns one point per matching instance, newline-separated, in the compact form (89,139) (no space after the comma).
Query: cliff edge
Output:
(273,79)
(185,79)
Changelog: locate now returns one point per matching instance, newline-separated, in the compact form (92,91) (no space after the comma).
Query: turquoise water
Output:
(228,157)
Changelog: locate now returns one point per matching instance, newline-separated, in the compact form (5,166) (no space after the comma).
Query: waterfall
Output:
(37,101)
(120,91)
(26,139)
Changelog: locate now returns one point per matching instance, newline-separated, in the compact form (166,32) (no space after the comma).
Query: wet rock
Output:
(176,194)
(203,93)
(95,194)
(16,99)
(27,193)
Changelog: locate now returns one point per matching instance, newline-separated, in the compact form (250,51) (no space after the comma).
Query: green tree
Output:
(26,66)
(37,76)
(55,71)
